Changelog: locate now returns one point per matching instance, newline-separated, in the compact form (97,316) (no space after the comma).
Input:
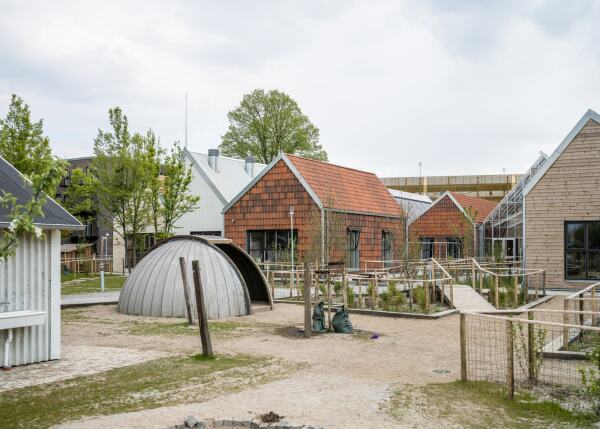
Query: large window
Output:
(387,241)
(582,250)
(426,244)
(270,245)
(453,248)
(353,259)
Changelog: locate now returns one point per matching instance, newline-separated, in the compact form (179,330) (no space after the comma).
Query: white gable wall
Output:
(31,281)
(207,216)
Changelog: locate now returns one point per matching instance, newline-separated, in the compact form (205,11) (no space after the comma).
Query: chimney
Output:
(249,165)
(213,158)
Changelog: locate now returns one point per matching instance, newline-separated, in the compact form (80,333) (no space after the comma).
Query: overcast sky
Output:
(463,86)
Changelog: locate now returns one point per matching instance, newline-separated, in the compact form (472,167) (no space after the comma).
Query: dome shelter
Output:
(155,286)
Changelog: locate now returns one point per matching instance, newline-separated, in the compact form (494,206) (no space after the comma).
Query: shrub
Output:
(419,296)
(350,295)
(590,378)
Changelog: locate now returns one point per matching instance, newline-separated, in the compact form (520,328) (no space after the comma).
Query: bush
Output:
(350,295)
(419,296)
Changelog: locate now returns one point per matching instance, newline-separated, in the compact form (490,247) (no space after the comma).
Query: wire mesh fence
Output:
(534,353)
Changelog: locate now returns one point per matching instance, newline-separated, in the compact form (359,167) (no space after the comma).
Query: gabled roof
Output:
(344,189)
(469,206)
(230,176)
(14,183)
(412,204)
(589,115)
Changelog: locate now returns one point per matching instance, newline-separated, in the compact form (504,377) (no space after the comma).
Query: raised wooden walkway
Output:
(466,298)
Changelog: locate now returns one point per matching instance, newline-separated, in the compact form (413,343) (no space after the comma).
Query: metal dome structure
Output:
(155,286)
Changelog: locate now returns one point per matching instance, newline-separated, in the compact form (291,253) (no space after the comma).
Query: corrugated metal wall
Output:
(31,281)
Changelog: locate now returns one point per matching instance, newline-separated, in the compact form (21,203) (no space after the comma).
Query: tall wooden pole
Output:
(207,350)
(328,303)
(307,287)
(186,291)
(497,292)
(510,361)
(531,347)
(463,347)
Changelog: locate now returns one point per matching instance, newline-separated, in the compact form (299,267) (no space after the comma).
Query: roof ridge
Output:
(225,157)
(332,164)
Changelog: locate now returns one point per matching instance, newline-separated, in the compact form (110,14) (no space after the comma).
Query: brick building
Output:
(450,227)
(339,214)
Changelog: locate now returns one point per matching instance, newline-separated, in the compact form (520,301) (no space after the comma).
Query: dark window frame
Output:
(585,250)
(430,243)
(265,250)
(356,250)
(384,251)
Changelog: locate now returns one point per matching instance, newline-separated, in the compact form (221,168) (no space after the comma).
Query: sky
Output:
(463,86)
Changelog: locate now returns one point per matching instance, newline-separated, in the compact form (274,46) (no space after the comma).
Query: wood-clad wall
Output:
(568,191)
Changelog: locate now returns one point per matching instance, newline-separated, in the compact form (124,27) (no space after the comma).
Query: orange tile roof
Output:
(345,188)
(479,206)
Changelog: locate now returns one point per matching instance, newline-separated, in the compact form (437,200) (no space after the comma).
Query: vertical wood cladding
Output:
(441,221)
(265,206)
(568,191)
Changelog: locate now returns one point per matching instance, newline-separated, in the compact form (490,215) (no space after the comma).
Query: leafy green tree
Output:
(266,123)
(176,199)
(79,196)
(155,155)
(122,170)
(22,216)
(22,142)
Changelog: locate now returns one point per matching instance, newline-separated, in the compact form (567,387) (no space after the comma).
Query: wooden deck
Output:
(466,298)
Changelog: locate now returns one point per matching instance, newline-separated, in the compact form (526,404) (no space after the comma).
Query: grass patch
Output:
(480,404)
(112,283)
(216,328)
(158,383)
(585,342)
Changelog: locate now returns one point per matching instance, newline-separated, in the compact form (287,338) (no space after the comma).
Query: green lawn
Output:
(157,383)
(480,405)
(92,284)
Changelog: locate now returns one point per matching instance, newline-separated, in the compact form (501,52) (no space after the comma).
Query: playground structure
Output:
(426,285)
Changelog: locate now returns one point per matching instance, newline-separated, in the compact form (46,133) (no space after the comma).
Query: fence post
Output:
(510,362)
(531,346)
(344,287)
(497,292)
(186,293)
(307,287)
(291,281)
(463,347)
(544,283)
(525,288)
(207,350)
(565,321)
(473,280)
(432,282)
(481,275)
(594,307)
(451,293)
(272,281)
(328,302)
(516,291)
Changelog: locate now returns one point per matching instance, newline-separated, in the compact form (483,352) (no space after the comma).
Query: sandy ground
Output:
(343,381)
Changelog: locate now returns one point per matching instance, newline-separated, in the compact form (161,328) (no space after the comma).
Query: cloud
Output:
(463,86)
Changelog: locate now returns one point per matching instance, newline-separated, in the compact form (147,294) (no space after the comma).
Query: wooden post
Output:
(510,361)
(410,294)
(463,347)
(186,293)
(291,282)
(375,291)
(443,294)
(544,283)
(426,286)
(432,282)
(452,293)
(497,292)
(566,321)
(361,302)
(515,292)
(307,287)
(207,350)
(594,307)
(328,302)
(581,316)
(473,281)
(344,287)
(481,275)
(531,346)
(297,283)
(272,281)
(525,288)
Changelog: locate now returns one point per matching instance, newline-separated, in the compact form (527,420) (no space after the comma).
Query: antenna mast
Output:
(186,119)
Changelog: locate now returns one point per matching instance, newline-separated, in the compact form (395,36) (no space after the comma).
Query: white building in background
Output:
(216,180)
(30,280)
(412,204)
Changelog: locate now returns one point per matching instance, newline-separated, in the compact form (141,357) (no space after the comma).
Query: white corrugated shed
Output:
(30,280)
(216,184)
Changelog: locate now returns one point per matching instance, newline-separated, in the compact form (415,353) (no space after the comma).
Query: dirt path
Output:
(343,381)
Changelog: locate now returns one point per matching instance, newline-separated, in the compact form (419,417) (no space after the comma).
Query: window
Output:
(270,245)
(582,250)
(453,248)
(212,233)
(426,247)
(387,241)
(352,260)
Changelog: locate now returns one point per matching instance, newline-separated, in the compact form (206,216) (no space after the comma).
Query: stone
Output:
(190,421)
